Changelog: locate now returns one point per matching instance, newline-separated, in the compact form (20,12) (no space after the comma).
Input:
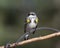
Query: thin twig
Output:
(34,39)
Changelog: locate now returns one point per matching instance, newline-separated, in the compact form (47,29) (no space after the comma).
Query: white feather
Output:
(32,24)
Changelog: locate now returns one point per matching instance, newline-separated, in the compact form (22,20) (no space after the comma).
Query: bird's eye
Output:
(32,14)
(28,14)
(28,20)
(36,21)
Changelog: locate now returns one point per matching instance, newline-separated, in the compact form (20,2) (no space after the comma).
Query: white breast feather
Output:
(32,24)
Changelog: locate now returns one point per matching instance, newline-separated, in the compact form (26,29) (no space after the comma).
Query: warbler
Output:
(31,23)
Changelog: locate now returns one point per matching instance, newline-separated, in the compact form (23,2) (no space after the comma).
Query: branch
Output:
(34,39)
(41,28)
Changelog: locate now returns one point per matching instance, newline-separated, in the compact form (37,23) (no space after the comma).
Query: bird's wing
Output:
(25,25)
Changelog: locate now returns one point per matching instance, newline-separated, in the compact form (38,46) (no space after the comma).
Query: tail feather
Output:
(26,37)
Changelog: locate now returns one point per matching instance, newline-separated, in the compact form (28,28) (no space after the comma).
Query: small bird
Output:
(31,22)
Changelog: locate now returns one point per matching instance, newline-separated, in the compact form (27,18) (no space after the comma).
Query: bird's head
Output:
(32,18)
(32,13)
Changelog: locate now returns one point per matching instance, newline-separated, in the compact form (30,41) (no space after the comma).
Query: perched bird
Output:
(31,22)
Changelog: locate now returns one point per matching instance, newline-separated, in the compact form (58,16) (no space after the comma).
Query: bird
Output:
(31,23)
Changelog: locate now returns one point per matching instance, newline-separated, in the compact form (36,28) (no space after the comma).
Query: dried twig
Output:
(34,39)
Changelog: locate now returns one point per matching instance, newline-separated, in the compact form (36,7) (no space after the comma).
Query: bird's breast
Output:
(32,25)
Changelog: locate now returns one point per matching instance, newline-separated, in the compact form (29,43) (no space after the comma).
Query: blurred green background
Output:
(13,13)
